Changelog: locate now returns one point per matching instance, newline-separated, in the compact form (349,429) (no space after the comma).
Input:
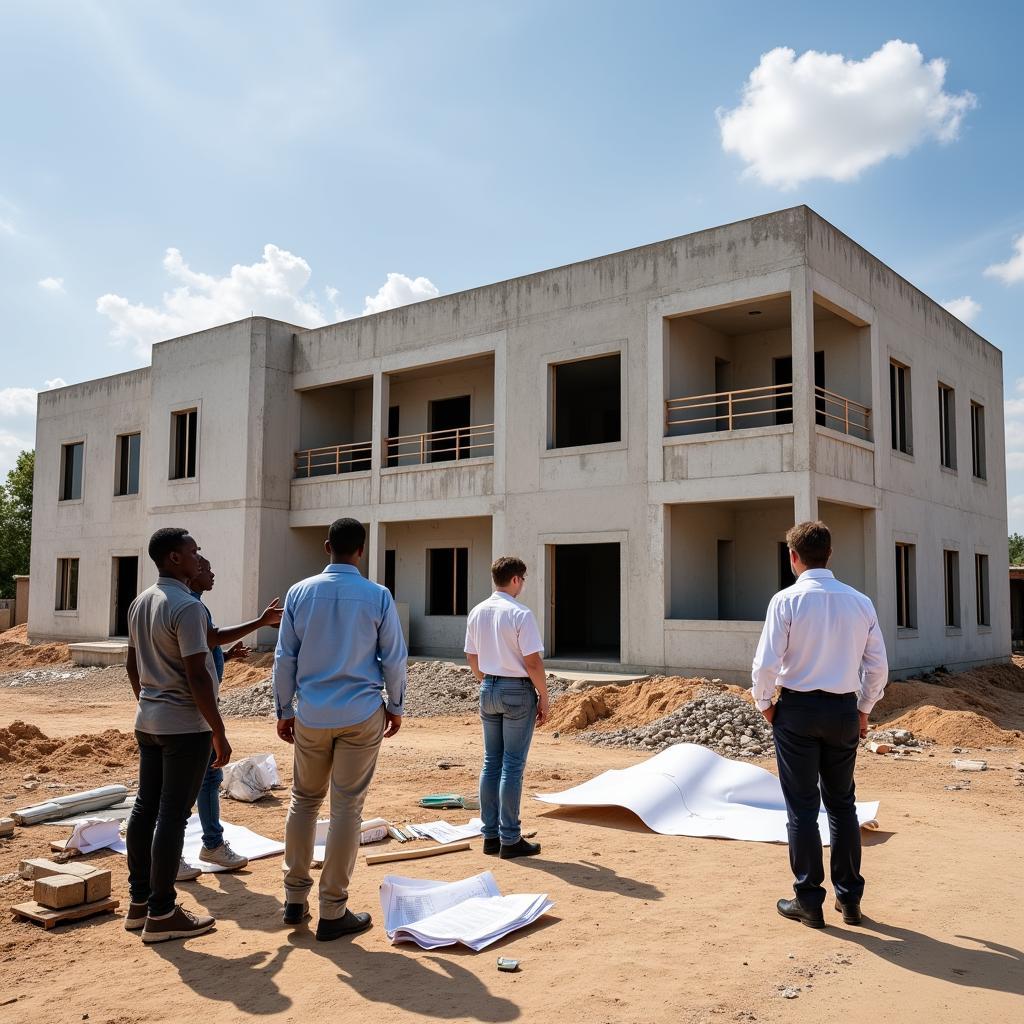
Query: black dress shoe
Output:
(850,911)
(492,846)
(521,848)
(796,911)
(347,924)
(296,913)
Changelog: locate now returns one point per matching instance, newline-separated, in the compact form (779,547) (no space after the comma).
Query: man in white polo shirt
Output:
(504,649)
(823,646)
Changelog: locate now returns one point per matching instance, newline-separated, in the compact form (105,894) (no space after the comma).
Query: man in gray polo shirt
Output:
(172,674)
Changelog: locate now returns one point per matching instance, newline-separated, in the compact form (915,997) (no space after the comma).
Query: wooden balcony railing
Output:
(762,407)
(440,446)
(334,459)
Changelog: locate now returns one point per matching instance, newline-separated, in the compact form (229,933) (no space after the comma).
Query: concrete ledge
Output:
(99,653)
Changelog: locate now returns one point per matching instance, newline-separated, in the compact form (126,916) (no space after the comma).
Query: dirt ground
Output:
(644,928)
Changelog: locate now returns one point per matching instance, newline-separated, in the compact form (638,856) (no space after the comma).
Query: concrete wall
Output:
(336,415)
(498,344)
(436,634)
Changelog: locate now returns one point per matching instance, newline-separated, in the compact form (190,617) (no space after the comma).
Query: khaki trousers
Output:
(342,760)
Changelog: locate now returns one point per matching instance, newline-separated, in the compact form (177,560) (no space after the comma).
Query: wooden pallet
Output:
(51,918)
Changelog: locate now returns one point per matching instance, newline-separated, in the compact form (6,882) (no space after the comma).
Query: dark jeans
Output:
(508,710)
(816,738)
(171,770)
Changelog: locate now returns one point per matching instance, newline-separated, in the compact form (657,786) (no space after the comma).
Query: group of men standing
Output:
(339,682)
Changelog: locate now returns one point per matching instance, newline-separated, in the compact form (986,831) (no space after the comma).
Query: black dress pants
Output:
(816,737)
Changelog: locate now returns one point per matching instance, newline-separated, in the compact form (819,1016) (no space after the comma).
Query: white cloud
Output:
(6,227)
(400,290)
(275,286)
(964,308)
(52,284)
(16,402)
(821,115)
(11,446)
(1012,271)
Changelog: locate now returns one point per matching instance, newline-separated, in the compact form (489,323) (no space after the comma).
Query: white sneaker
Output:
(186,873)
(224,856)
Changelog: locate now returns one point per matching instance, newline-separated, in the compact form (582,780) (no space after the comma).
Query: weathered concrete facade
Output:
(751,388)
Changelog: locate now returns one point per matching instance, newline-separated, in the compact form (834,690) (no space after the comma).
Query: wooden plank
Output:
(51,918)
(430,851)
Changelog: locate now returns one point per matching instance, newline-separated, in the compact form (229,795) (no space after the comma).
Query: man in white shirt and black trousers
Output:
(505,652)
(823,647)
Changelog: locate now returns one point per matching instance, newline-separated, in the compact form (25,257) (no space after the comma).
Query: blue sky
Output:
(454,144)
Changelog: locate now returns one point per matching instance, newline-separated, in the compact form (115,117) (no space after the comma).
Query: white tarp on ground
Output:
(243,840)
(688,790)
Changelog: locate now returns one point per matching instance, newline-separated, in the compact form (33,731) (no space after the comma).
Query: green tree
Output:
(16,522)
(1016,549)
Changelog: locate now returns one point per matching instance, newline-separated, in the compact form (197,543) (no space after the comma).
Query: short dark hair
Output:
(812,541)
(504,568)
(164,541)
(346,537)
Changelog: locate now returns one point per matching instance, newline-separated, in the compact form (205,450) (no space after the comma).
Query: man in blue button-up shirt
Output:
(341,661)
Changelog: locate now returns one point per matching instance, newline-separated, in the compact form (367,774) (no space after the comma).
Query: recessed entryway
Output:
(584,595)
(125,587)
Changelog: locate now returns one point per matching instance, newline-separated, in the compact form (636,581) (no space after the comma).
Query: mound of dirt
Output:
(24,743)
(253,669)
(17,654)
(15,635)
(955,728)
(630,705)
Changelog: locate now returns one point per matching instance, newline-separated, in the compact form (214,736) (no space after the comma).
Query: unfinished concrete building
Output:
(642,428)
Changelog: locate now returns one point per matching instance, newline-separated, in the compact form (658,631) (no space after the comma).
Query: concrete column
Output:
(802,330)
(379,417)
(376,542)
(500,413)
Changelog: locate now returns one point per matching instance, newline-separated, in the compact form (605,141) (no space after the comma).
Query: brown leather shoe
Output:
(135,919)
(178,924)
(850,911)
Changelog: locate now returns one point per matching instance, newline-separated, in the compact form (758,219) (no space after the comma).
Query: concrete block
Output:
(6,827)
(39,867)
(59,891)
(97,885)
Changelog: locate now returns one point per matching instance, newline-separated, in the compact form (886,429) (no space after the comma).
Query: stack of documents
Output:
(442,832)
(472,911)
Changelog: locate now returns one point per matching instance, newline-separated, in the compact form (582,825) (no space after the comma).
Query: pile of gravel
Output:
(724,722)
(435,688)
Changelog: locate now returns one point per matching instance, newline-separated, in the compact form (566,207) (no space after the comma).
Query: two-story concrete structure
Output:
(642,428)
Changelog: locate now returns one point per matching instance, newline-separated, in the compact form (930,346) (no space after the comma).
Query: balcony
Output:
(333,460)
(456,462)
(449,445)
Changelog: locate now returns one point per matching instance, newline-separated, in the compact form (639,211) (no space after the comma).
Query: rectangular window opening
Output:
(67,585)
(586,402)
(981,589)
(184,435)
(129,447)
(447,581)
(947,427)
(899,407)
(978,467)
(951,577)
(906,597)
(72,461)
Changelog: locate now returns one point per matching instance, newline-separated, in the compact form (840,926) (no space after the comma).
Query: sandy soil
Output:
(645,927)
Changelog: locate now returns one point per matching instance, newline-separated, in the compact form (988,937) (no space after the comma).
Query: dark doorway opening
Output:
(585,599)
(449,418)
(126,587)
(786,577)
(782,378)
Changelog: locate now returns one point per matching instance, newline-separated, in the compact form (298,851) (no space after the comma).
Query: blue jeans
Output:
(508,710)
(208,805)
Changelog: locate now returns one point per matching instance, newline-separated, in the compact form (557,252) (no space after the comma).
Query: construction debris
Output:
(724,722)
(963,764)
(73,803)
